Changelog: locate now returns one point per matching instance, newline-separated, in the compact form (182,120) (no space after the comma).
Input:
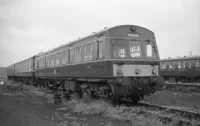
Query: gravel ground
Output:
(172,98)
(36,111)
(25,111)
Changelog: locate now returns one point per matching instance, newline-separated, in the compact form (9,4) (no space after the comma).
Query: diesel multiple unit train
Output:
(121,61)
(184,69)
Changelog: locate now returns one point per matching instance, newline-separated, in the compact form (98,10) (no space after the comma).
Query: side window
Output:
(171,67)
(58,59)
(71,55)
(52,60)
(43,65)
(88,52)
(197,64)
(77,52)
(186,64)
(101,49)
(190,64)
(179,65)
(25,66)
(37,64)
(163,66)
(31,62)
(64,57)
(47,61)
(183,65)
(149,50)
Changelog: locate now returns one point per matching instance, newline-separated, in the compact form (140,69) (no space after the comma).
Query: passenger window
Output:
(197,64)
(52,60)
(77,50)
(88,47)
(47,61)
(85,48)
(77,57)
(101,49)
(163,66)
(190,64)
(170,66)
(88,52)
(64,57)
(183,65)
(179,65)
(58,59)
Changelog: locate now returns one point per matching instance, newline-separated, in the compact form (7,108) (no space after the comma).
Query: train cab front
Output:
(137,78)
(136,62)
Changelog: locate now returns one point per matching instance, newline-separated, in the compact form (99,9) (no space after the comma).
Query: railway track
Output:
(168,114)
(188,84)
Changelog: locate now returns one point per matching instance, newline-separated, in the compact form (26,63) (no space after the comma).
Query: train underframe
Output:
(130,88)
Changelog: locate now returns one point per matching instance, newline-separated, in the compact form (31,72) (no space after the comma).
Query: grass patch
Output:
(136,115)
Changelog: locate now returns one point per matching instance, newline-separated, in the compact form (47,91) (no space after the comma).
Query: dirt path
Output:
(25,111)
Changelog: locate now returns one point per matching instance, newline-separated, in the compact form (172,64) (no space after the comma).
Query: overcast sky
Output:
(28,27)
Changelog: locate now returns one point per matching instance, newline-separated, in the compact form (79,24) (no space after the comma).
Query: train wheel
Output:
(135,99)
(115,100)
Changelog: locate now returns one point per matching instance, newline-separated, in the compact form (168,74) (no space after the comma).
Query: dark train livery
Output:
(185,69)
(122,61)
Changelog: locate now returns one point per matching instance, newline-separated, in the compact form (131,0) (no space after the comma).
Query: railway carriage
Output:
(121,61)
(184,69)
(23,70)
(10,71)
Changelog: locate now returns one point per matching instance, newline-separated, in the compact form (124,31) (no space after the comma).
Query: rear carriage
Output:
(183,69)
(24,70)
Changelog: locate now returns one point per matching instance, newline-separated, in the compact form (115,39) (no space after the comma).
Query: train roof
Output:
(181,58)
(21,61)
(98,34)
